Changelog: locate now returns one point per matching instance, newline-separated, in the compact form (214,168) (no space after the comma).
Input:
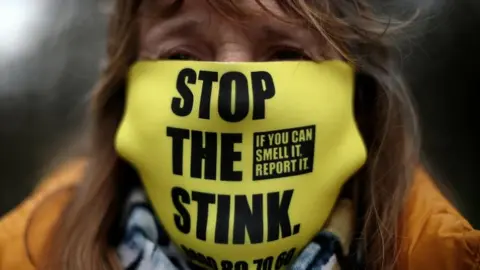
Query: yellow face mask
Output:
(242,162)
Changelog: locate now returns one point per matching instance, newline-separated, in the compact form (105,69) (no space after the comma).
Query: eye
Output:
(182,56)
(288,54)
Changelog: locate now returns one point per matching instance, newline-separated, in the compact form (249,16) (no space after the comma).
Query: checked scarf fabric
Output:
(146,246)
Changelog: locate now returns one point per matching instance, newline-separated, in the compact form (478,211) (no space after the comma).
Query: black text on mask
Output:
(233,86)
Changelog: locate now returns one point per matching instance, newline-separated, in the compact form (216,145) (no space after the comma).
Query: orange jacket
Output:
(436,236)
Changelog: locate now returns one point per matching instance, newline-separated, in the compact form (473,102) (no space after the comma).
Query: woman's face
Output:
(197,31)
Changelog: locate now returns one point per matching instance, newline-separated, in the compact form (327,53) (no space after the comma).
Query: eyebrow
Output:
(178,27)
(161,10)
(274,33)
(188,27)
(193,28)
(181,28)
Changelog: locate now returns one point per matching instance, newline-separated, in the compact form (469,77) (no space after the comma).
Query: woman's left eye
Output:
(288,55)
(182,56)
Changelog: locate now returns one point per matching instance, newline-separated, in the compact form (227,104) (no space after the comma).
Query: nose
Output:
(234,52)
(232,44)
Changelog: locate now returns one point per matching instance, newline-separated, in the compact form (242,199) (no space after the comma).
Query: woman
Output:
(389,215)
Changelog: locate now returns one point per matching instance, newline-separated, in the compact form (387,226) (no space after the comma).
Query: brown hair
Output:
(88,229)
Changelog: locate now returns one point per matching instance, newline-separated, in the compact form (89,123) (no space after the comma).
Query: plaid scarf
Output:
(146,246)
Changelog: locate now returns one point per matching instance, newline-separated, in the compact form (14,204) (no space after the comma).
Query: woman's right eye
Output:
(182,57)
(288,54)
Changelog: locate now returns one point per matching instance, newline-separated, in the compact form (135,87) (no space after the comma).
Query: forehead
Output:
(246,12)
(187,6)
(257,19)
